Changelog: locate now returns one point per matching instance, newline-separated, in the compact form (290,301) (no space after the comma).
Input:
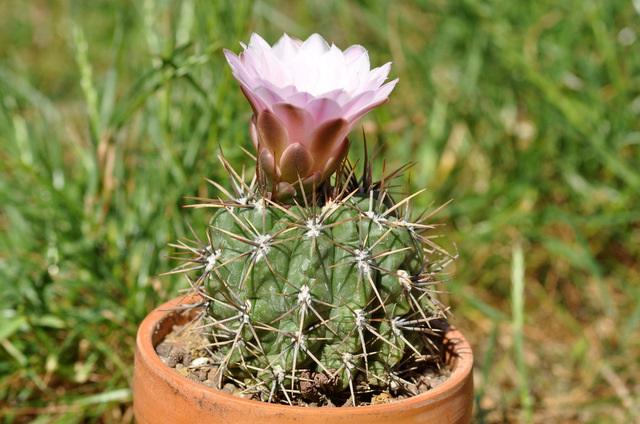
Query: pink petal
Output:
(272,134)
(257,43)
(253,133)
(357,104)
(300,99)
(296,162)
(353,120)
(356,53)
(336,158)
(267,164)
(324,110)
(256,104)
(286,48)
(239,71)
(334,72)
(379,75)
(367,101)
(306,69)
(268,97)
(283,92)
(298,121)
(315,45)
(386,89)
(273,69)
(335,95)
(284,191)
(326,138)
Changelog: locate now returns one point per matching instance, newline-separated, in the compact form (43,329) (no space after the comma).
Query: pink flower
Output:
(306,98)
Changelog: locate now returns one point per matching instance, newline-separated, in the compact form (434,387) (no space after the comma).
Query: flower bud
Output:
(306,98)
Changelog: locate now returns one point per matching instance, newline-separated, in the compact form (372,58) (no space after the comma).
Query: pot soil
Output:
(162,395)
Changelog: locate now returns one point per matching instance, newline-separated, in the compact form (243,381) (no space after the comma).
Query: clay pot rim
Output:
(152,321)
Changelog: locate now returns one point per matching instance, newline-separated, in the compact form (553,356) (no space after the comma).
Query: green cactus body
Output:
(308,289)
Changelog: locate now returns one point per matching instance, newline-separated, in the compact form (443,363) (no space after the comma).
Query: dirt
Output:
(187,353)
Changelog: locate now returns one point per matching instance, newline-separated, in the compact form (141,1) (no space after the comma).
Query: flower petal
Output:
(239,70)
(266,96)
(286,48)
(253,133)
(257,43)
(323,110)
(272,134)
(326,138)
(339,153)
(298,121)
(379,75)
(356,54)
(296,162)
(256,103)
(315,45)
(267,163)
(300,99)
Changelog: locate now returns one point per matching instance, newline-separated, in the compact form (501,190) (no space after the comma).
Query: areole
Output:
(161,395)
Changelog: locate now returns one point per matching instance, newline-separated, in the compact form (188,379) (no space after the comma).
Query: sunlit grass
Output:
(525,113)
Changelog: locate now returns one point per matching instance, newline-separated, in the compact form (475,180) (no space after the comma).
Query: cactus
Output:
(339,285)
(316,279)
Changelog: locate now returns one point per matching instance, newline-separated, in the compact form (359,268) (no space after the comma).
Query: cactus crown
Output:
(329,295)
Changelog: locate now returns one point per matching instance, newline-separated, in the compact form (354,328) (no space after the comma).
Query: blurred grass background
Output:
(526,113)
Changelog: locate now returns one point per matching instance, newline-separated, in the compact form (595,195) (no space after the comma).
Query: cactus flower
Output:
(306,98)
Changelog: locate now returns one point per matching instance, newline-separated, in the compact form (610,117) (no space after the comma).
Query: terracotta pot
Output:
(161,395)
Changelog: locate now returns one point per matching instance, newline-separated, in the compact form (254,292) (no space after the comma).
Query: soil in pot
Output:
(189,354)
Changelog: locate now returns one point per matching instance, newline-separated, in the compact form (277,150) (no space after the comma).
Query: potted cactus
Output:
(310,284)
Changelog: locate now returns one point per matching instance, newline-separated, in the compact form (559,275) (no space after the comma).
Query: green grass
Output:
(526,113)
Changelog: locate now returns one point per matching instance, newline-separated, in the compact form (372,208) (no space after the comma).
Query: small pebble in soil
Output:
(383,397)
